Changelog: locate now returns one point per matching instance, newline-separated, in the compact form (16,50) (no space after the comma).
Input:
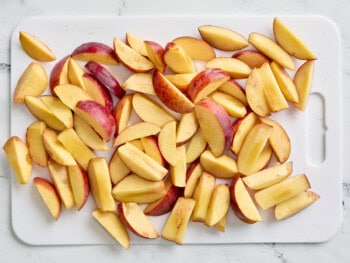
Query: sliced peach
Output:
(196,146)
(95,51)
(186,128)
(236,68)
(106,78)
(253,58)
(219,204)
(149,110)
(155,53)
(139,82)
(223,166)
(215,124)
(181,81)
(19,159)
(282,191)
(122,113)
(167,142)
(79,182)
(49,195)
(35,48)
(151,148)
(136,131)
(136,43)
(70,95)
(234,89)
(196,48)
(205,82)
(177,59)
(178,171)
(170,95)
(75,73)
(140,163)
(117,169)
(233,106)
(131,58)
(59,74)
(290,42)
(303,82)
(271,49)
(193,173)
(32,82)
(34,141)
(133,188)
(222,38)
(242,203)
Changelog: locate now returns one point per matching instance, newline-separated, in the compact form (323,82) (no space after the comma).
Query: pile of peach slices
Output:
(201,139)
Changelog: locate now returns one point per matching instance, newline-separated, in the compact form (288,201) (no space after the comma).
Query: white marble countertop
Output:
(13,250)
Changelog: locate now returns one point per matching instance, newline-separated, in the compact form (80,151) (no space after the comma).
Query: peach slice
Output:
(269,176)
(151,148)
(193,173)
(167,142)
(133,217)
(97,91)
(196,48)
(139,82)
(122,112)
(169,94)
(55,148)
(196,146)
(58,109)
(88,135)
(59,176)
(79,182)
(285,82)
(111,222)
(95,51)
(219,204)
(295,204)
(136,43)
(233,106)
(77,148)
(140,163)
(59,74)
(271,49)
(202,194)
(177,222)
(282,191)
(252,147)
(241,127)
(75,73)
(255,94)
(97,116)
(236,68)
(242,203)
(167,202)
(70,95)
(177,59)
(133,188)
(253,58)
(273,94)
(221,225)
(155,53)
(187,127)
(234,89)
(100,184)
(205,82)
(43,113)
(215,124)
(131,58)
(178,171)
(117,169)
(150,111)
(136,131)
(181,81)
(222,38)
(19,159)
(49,195)
(106,78)
(303,82)
(224,166)
(290,42)
(35,48)
(35,144)
(279,140)
(32,82)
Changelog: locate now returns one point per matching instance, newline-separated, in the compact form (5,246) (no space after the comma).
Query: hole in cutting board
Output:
(316,129)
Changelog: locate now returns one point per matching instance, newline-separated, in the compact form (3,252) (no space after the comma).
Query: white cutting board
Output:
(316,135)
